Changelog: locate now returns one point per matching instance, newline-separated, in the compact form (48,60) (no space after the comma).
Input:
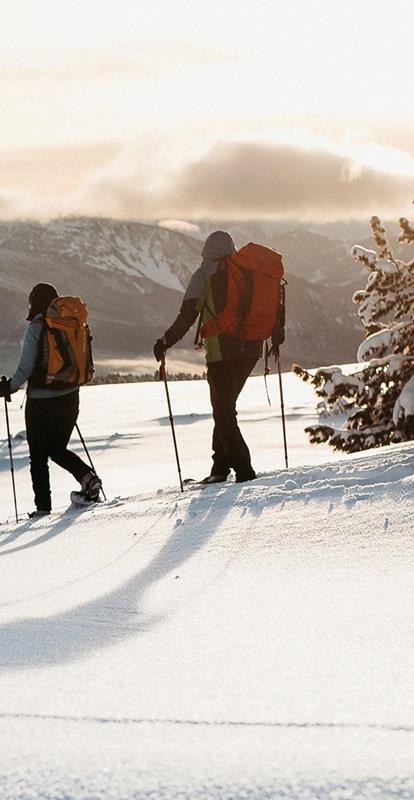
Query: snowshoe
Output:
(213,479)
(38,513)
(81,500)
(91,486)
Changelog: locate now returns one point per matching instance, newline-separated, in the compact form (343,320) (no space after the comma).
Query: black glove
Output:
(5,387)
(159,349)
(278,338)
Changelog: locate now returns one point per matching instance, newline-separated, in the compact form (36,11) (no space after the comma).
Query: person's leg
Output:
(221,466)
(226,380)
(241,458)
(37,430)
(66,410)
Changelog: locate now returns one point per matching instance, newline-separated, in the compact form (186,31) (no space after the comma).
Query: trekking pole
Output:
(7,399)
(88,456)
(282,406)
(163,376)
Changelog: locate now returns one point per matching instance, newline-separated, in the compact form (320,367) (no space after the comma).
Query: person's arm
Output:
(28,356)
(187,314)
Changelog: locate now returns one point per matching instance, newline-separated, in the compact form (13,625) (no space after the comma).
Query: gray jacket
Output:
(29,358)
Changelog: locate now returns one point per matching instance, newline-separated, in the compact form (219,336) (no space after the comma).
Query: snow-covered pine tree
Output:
(378,399)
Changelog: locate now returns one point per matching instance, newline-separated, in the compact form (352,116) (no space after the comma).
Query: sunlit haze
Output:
(175,109)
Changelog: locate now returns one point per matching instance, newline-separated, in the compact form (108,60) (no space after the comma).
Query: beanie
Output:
(40,299)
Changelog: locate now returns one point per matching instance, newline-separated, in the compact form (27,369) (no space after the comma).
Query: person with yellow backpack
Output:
(56,359)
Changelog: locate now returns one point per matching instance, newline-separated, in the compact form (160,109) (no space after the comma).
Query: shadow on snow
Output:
(115,616)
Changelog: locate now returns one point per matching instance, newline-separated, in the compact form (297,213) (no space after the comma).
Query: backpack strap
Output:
(197,338)
(38,377)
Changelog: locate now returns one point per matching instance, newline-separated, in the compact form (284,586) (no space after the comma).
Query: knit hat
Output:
(40,299)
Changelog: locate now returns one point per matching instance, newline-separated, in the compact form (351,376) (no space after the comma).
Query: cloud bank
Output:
(237,180)
(240,180)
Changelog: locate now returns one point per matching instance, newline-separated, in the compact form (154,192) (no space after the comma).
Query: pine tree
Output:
(377,399)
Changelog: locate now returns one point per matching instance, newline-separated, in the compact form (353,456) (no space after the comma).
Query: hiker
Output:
(230,358)
(51,413)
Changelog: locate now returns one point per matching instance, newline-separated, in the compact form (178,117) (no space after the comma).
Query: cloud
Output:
(49,169)
(240,180)
(180,225)
(96,65)
(260,179)
(237,180)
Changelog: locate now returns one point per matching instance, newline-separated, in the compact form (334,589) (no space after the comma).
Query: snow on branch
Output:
(379,235)
(376,403)
(403,413)
(407,231)
(378,344)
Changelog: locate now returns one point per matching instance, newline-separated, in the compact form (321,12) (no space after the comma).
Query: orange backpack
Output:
(254,295)
(69,340)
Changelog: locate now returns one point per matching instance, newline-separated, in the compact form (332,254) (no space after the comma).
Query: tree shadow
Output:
(117,615)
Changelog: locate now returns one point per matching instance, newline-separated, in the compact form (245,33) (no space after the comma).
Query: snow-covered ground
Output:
(247,641)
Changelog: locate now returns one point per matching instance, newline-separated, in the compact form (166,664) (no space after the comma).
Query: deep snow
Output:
(246,641)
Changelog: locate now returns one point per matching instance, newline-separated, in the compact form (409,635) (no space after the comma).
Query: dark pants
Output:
(226,380)
(49,424)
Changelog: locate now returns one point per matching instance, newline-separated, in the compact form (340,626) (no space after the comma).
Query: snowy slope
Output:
(247,641)
(131,276)
(162,256)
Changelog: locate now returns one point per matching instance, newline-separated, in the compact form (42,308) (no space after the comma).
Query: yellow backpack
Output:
(70,362)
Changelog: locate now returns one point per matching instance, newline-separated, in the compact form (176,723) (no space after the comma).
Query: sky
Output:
(172,108)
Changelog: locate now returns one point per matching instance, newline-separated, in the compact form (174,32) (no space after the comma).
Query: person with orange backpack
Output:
(56,359)
(239,298)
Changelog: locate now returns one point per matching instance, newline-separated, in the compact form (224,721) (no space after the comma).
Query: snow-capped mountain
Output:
(132,276)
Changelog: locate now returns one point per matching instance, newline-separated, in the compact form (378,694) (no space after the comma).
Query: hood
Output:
(218,245)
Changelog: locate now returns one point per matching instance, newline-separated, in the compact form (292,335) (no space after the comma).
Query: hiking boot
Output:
(38,513)
(249,476)
(91,486)
(214,479)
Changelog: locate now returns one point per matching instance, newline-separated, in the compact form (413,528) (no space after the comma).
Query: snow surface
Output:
(246,641)
(404,407)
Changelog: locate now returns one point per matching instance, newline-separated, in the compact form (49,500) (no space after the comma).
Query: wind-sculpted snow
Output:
(242,641)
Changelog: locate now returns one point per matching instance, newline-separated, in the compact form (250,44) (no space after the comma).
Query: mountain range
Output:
(132,276)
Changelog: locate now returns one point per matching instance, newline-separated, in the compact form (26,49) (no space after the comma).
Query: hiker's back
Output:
(65,359)
(243,299)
